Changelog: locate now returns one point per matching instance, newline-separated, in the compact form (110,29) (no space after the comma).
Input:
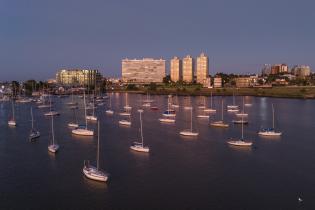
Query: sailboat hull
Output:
(83,132)
(94,174)
(188,133)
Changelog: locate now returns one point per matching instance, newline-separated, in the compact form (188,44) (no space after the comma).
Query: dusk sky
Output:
(38,37)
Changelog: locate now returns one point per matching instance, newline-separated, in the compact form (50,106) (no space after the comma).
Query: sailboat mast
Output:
(222,110)
(85,109)
(32,118)
(242,128)
(141,128)
(13,112)
(273,117)
(211,100)
(191,119)
(98,145)
(243,104)
(52,129)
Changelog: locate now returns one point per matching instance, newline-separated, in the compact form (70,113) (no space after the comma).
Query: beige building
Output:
(243,82)
(143,71)
(301,71)
(202,68)
(176,69)
(188,70)
(74,77)
(217,82)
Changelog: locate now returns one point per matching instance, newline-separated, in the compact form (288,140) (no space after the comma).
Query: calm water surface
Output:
(179,172)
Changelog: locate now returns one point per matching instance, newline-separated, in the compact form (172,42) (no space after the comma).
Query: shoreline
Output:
(300,92)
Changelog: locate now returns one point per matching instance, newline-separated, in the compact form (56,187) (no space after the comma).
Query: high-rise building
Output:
(202,68)
(176,69)
(301,71)
(279,68)
(143,71)
(78,77)
(188,70)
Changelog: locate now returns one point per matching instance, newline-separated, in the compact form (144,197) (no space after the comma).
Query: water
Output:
(179,172)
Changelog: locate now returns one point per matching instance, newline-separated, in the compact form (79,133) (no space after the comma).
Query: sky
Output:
(38,37)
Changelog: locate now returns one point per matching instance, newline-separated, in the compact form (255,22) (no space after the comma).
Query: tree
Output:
(167,79)
(152,86)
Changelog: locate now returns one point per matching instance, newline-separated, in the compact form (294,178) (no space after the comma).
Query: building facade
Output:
(301,71)
(78,77)
(243,82)
(143,71)
(176,69)
(217,82)
(188,70)
(279,68)
(202,70)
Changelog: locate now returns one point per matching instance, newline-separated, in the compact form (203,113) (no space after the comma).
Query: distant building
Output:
(279,68)
(301,71)
(143,71)
(176,69)
(202,70)
(73,77)
(243,82)
(217,82)
(188,70)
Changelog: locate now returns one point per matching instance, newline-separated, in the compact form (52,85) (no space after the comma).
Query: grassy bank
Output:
(280,92)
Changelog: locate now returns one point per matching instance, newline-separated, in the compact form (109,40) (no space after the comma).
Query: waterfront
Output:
(179,173)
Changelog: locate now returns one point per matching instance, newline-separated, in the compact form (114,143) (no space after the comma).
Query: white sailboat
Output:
(126,122)
(242,114)
(91,171)
(109,111)
(12,121)
(127,107)
(270,131)
(220,123)
(203,115)
(92,117)
(34,134)
(139,146)
(175,105)
(169,114)
(240,142)
(203,105)
(211,109)
(72,103)
(148,99)
(189,132)
(53,147)
(83,131)
(233,108)
(74,123)
(51,112)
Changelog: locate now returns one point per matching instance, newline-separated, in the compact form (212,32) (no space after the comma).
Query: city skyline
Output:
(38,38)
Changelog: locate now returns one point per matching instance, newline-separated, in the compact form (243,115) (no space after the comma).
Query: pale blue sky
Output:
(38,37)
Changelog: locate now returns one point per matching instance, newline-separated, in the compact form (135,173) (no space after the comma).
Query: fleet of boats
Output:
(95,173)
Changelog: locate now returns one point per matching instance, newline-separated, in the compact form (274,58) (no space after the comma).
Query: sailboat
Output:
(34,133)
(53,147)
(240,142)
(12,121)
(91,171)
(83,131)
(148,100)
(139,146)
(233,108)
(203,105)
(189,132)
(221,122)
(92,117)
(72,104)
(169,114)
(125,121)
(211,109)
(203,115)
(51,112)
(109,111)
(242,114)
(127,108)
(175,105)
(270,131)
(74,123)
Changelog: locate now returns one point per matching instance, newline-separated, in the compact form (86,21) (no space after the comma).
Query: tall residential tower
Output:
(176,69)
(188,70)
(202,68)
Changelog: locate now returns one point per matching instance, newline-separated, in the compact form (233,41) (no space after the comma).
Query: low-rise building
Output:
(74,77)
(242,82)
(217,82)
(301,71)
